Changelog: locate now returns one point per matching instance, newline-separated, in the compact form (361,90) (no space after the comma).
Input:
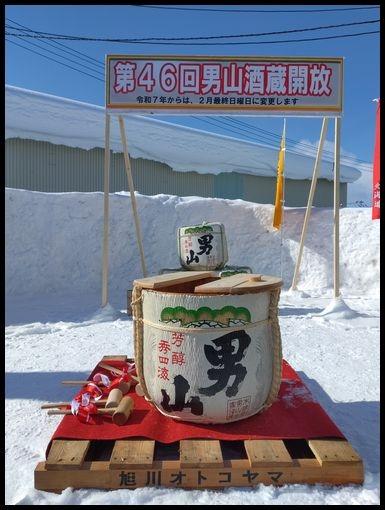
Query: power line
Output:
(269,136)
(158,39)
(69,59)
(295,143)
(235,130)
(218,44)
(54,60)
(266,137)
(55,44)
(289,141)
(270,42)
(275,11)
(216,125)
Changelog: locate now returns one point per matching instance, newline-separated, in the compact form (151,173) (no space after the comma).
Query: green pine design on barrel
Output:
(205,316)
(198,230)
(232,272)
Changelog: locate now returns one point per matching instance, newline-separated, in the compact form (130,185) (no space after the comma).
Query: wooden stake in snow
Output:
(317,165)
(106,211)
(336,259)
(127,165)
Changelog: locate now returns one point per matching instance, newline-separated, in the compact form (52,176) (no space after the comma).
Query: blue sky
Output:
(362,65)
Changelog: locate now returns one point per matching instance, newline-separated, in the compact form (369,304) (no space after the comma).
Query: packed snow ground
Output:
(55,329)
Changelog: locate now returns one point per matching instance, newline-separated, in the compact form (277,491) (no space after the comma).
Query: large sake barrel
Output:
(208,349)
(202,247)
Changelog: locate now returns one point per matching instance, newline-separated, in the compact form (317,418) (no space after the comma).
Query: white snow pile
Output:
(55,329)
(54,241)
(37,116)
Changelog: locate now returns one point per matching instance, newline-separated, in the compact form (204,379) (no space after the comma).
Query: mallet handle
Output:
(110,410)
(111,368)
(116,370)
(53,405)
(81,383)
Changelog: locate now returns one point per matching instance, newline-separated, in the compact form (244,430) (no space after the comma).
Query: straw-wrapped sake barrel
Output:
(208,349)
(202,247)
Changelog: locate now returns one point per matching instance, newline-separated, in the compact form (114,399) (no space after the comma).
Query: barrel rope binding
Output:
(277,345)
(277,348)
(172,329)
(137,300)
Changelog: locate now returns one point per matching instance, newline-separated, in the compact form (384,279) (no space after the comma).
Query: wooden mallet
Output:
(116,370)
(120,414)
(123,411)
(114,397)
(124,383)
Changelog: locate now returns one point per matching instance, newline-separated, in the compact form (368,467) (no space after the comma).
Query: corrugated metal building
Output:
(35,161)
(44,166)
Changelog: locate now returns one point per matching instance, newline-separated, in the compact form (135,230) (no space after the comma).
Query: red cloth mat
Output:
(294,415)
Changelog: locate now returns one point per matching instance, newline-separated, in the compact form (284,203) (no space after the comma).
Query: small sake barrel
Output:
(202,247)
(210,355)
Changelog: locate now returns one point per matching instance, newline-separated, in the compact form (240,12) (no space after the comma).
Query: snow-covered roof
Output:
(38,116)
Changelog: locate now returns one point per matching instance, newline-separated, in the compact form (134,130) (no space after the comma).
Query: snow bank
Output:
(37,116)
(56,330)
(54,242)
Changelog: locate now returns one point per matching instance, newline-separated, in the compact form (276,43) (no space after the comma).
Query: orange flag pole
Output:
(278,208)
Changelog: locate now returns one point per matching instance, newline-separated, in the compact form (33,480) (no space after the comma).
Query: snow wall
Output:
(54,242)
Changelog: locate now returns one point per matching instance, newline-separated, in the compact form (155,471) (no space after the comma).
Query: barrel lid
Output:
(242,283)
(170,279)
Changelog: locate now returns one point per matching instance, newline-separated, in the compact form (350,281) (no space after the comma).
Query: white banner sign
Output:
(222,85)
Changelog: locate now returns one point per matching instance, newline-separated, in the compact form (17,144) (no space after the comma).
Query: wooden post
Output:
(106,210)
(127,165)
(317,165)
(336,260)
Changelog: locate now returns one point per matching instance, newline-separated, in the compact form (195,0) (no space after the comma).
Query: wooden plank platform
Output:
(196,463)
(128,464)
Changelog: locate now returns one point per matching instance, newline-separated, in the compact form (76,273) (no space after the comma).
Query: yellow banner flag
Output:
(278,209)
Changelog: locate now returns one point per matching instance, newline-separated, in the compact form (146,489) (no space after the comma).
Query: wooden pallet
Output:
(203,463)
(128,464)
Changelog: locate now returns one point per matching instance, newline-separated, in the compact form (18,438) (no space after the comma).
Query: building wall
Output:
(43,166)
